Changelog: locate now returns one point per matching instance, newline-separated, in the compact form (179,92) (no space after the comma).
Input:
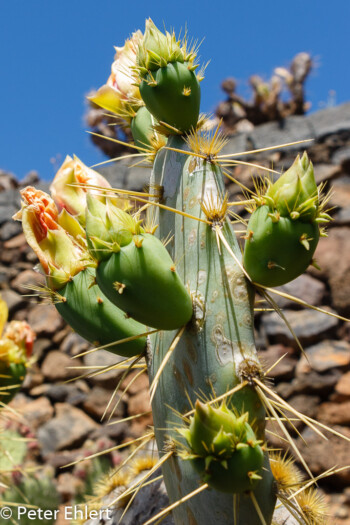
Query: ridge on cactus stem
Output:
(71,276)
(284,228)
(169,86)
(16,346)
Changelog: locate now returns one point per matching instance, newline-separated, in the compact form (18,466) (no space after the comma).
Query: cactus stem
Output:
(216,400)
(168,509)
(227,246)
(215,208)
(172,347)
(257,508)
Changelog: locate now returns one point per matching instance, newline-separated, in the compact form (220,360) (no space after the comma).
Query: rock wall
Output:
(66,417)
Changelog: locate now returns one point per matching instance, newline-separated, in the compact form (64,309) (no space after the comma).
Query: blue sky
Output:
(53,52)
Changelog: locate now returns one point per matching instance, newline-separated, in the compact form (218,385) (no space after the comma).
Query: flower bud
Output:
(60,256)
(295,193)
(223,448)
(67,188)
(120,94)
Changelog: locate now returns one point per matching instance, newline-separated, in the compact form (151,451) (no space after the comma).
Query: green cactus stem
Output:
(216,352)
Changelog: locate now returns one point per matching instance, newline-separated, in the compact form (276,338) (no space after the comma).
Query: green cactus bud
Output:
(278,252)
(172,95)
(107,228)
(142,127)
(94,317)
(141,280)
(157,49)
(223,448)
(295,193)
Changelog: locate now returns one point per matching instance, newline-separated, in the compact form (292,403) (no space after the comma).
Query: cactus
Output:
(16,345)
(210,397)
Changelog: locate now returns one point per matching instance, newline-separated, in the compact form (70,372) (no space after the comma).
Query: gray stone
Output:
(325,356)
(236,144)
(14,300)
(303,287)
(137,178)
(115,173)
(342,156)
(292,129)
(325,172)
(330,120)
(68,429)
(10,229)
(308,325)
(99,360)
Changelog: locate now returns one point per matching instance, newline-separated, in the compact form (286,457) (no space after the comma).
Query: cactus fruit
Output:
(142,127)
(169,86)
(88,311)
(135,270)
(278,252)
(283,230)
(141,280)
(71,275)
(223,449)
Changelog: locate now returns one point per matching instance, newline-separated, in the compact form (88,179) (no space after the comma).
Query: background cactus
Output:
(212,356)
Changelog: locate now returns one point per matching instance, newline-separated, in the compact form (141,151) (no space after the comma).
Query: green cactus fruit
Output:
(172,95)
(223,448)
(11,378)
(142,127)
(141,280)
(278,250)
(295,193)
(94,317)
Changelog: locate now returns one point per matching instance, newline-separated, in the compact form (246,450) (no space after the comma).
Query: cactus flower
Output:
(120,95)
(16,346)
(67,188)
(61,257)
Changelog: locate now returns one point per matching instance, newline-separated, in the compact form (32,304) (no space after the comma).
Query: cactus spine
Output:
(216,351)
